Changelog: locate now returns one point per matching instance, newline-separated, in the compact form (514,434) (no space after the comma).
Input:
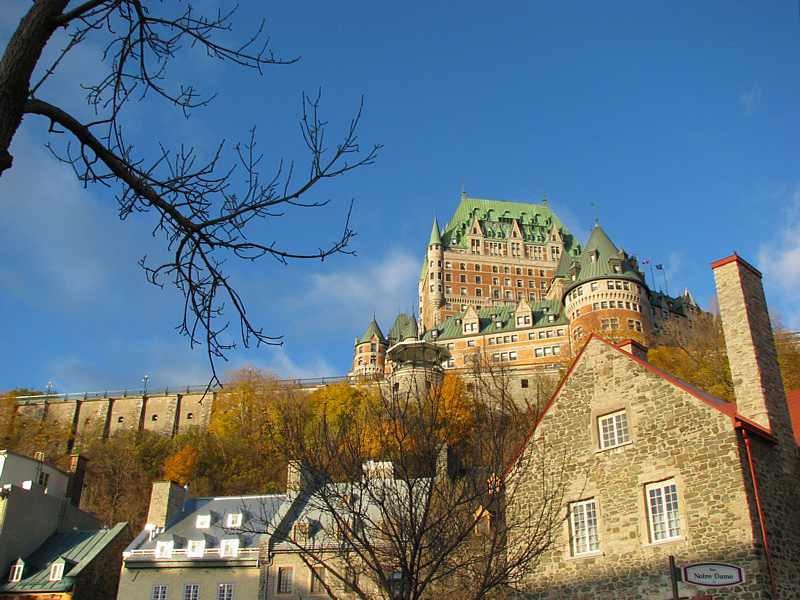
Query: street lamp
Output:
(49,387)
(146,378)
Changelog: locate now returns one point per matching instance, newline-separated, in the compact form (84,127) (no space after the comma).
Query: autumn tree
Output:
(408,499)
(204,205)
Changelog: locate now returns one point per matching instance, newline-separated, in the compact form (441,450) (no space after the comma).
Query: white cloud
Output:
(751,99)
(779,259)
(385,285)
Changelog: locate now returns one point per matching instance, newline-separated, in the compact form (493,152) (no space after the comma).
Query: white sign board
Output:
(712,574)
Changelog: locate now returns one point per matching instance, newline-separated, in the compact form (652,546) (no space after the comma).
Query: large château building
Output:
(508,281)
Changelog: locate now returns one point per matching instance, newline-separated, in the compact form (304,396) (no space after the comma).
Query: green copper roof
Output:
(76,549)
(497,218)
(404,327)
(601,258)
(489,317)
(435,237)
(372,331)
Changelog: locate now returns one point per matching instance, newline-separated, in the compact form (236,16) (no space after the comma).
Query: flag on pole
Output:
(660,267)
(646,262)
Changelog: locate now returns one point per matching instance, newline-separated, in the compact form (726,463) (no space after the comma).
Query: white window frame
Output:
(233,520)
(16,573)
(164,549)
(663,511)
(57,571)
(584,530)
(159,592)
(613,430)
(196,549)
(225,591)
(191,591)
(203,522)
(229,548)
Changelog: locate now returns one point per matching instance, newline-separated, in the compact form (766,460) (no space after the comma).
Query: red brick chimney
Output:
(633,347)
(750,344)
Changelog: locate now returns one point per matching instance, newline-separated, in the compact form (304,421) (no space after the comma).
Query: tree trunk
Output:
(17,65)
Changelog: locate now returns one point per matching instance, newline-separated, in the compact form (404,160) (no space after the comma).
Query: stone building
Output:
(657,468)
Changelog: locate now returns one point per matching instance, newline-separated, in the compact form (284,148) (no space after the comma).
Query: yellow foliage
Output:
(180,466)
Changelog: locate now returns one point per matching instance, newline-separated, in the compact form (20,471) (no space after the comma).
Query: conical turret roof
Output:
(601,258)
(372,330)
(435,237)
(404,328)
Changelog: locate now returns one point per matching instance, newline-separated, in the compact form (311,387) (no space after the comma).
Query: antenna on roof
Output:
(544,196)
(463,188)
(596,220)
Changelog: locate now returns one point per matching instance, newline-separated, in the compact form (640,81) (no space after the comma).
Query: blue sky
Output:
(679,120)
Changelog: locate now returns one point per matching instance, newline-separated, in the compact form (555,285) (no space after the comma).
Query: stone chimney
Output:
(297,477)
(635,348)
(166,502)
(77,474)
(750,343)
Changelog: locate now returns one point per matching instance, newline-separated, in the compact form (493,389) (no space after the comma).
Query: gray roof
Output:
(257,512)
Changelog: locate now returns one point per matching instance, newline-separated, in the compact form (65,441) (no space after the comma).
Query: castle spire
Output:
(463,189)
(435,237)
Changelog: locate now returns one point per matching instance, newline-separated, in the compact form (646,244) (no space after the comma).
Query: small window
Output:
(16,573)
(120,419)
(524,383)
(196,548)
(191,591)
(613,429)
(225,591)
(203,521)
(234,520)
(189,417)
(154,418)
(285,580)
(229,548)
(43,478)
(300,532)
(159,592)
(583,527)
(318,580)
(164,549)
(663,514)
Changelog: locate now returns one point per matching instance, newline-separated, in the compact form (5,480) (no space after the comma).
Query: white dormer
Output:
(196,548)
(203,521)
(164,549)
(233,520)
(229,548)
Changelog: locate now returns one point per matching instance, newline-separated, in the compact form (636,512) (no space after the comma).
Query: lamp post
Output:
(146,378)
(49,388)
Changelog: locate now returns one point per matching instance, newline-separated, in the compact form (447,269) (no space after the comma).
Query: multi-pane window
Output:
(225,591)
(159,592)
(318,580)
(235,519)
(229,548)
(285,580)
(583,527)
(196,548)
(57,571)
(613,429)
(663,514)
(191,591)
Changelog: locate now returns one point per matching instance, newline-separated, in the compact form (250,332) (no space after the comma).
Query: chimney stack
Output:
(750,344)
(631,346)
(166,502)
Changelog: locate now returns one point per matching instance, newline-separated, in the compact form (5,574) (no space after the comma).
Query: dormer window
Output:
(16,572)
(196,549)
(300,532)
(229,548)
(203,521)
(57,571)
(234,520)
(164,549)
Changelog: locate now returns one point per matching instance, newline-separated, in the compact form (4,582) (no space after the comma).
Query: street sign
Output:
(712,574)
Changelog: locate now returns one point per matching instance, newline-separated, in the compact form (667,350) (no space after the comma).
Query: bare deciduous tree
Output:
(386,503)
(203,206)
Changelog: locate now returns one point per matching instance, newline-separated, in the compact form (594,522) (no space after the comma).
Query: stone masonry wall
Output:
(673,435)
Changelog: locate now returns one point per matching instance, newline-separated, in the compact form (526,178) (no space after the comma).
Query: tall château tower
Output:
(491,253)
